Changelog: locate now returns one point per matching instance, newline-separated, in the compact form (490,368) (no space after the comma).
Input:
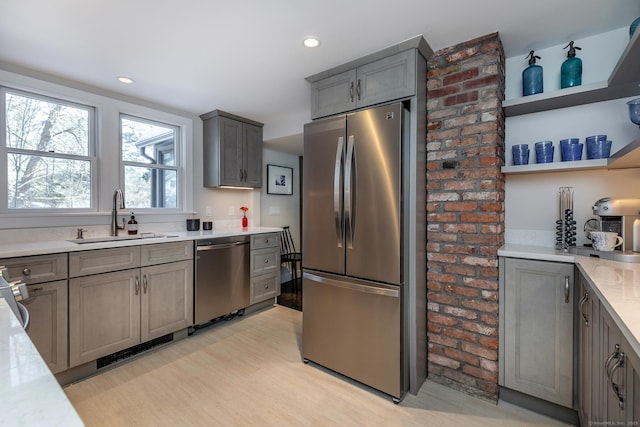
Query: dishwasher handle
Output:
(221,246)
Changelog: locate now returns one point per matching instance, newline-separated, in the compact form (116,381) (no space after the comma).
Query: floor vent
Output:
(132,351)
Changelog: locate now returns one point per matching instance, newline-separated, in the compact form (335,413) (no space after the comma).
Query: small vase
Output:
(245,221)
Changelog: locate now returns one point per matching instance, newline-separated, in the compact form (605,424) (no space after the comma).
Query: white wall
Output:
(531,200)
(280,210)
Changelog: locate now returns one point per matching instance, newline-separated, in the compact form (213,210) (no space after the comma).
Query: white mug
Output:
(605,240)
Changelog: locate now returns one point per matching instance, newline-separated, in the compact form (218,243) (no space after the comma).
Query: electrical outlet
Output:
(231,211)
(207,211)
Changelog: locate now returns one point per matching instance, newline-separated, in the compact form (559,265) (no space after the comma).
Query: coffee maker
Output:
(620,216)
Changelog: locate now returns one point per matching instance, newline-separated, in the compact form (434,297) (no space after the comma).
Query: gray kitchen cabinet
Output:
(608,367)
(588,318)
(104,314)
(47,305)
(265,267)
(232,150)
(112,311)
(612,372)
(46,277)
(383,80)
(536,329)
(166,299)
(85,263)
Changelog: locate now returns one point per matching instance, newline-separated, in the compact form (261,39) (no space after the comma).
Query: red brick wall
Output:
(465,213)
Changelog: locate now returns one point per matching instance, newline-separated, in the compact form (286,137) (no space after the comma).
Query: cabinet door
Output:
(47,305)
(333,95)
(252,156)
(167,299)
(538,332)
(610,376)
(231,151)
(104,314)
(588,353)
(387,79)
(632,382)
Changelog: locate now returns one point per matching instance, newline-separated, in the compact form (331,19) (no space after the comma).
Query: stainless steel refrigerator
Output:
(352,246)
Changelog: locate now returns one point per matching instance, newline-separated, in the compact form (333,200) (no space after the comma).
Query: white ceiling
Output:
(246,57)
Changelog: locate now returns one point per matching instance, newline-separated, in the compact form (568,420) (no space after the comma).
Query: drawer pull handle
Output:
(26,272)
(35,288)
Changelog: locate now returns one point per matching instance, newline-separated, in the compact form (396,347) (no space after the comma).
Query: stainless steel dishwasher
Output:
(222,277)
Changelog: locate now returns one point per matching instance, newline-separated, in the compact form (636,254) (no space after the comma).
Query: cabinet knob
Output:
(26,271)
(266,261)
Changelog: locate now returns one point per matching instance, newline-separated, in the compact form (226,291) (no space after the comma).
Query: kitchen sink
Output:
(119,238)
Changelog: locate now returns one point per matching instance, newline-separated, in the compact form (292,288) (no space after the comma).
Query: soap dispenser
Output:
(532,76)
(132,226)
(571,69)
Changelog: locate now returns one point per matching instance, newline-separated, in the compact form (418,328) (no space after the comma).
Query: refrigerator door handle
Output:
(394,293)
(337,206)
(349,192)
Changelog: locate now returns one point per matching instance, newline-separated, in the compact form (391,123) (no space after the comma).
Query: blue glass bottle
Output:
(532,77)
(571,69)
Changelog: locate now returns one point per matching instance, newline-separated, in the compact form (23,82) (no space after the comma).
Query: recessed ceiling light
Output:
(311,41)
(126,80)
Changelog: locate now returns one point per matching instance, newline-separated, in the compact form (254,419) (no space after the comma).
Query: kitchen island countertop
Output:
(616,284)
(31,395)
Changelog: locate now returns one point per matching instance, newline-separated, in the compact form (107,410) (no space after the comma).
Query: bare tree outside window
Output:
(49,150)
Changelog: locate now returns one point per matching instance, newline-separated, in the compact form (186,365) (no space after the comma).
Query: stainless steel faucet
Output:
(118,202)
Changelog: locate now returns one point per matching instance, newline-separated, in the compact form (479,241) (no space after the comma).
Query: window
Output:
(149,161)
(47,147)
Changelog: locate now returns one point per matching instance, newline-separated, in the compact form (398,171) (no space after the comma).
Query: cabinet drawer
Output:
(265,240)
(264,261)
(103,260)
(265,287)
(162,253)
(36,269)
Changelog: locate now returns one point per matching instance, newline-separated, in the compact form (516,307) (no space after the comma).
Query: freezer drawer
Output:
(354,328)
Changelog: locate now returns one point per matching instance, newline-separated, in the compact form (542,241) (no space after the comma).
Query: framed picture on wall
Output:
(279,180)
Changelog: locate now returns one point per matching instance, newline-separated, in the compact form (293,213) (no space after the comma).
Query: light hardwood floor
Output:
(249,372)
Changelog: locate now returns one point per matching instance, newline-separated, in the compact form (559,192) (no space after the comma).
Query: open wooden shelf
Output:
(623,82)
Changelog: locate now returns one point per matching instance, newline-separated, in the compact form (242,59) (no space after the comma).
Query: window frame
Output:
(178,165)
(108,105)
(91,156)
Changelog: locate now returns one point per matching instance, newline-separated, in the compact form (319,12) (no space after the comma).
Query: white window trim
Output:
(91,153)
(107,113)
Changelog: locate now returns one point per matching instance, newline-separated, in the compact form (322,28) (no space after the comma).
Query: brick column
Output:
(465,213)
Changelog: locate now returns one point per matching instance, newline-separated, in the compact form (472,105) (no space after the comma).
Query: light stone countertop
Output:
(616,284)
(12,250)
(31,395)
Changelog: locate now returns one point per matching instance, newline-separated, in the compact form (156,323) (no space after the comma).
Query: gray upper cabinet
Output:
(386,79)
(232,151)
